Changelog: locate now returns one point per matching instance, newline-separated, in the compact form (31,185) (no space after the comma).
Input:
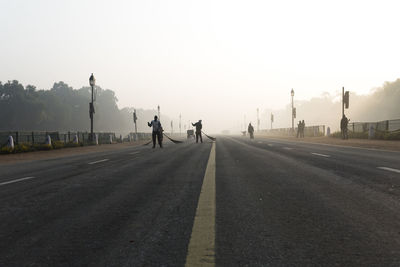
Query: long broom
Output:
(173,140)
(145,144)
(212,138)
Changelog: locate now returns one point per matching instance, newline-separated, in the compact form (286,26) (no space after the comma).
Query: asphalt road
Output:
(263,202)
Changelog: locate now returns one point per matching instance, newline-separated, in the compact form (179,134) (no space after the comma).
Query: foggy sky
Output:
(212,60)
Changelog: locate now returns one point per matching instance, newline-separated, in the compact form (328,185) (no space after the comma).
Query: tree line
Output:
(63,108)
(381,104)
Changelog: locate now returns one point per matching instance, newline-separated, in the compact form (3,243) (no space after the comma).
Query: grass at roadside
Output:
(28,147)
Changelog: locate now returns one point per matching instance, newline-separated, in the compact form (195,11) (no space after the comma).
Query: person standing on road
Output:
(250,129)
(198,126)
(157,131)
(343,127)
(303,126)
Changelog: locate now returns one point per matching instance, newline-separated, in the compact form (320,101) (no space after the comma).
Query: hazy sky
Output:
(214,60)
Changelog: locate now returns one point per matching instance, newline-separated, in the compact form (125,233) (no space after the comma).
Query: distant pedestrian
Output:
(250,129)
(303,126)
(157,131)
(198,126)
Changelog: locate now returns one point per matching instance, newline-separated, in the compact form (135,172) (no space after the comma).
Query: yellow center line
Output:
(201,251)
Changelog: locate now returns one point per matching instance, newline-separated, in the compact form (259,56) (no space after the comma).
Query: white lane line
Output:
(133,153)
(321,155)
(201,250)
(389,169)
(17,180)
(270,145)
(288,148)
(259,142)
(94,162)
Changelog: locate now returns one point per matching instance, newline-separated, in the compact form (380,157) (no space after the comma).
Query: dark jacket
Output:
(198,126)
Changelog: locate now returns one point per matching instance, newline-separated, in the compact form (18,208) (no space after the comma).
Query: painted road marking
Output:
(133,153)
(288,148)
(201,251)
(259,142)
(17,180)
(94,162)
(389,169)
(321,155)
(270,145)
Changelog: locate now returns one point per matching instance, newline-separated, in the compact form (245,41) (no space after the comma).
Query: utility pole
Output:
(293,112)
(180,124)
(272,119)
(342,101)
(345,100)
(158,109)
(134,121)
(92,82)
(258,120)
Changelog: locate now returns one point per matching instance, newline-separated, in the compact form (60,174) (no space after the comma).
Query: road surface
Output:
(235,202)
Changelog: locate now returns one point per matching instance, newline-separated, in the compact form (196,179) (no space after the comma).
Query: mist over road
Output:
(270,203)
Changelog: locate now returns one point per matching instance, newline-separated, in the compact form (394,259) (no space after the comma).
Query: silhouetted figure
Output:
(198,126)
(344,122)
(250,129)
(303,126)
(157,131)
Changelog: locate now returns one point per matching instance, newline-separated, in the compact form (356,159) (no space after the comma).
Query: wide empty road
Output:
(234,202)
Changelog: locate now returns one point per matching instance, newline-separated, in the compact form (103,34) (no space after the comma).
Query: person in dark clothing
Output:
(343,127)
(198,126)
(250,129)
(157,131)
(303,126)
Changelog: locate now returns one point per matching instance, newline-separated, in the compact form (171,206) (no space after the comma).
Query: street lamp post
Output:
(158,110)
(180,124)
(292,94)
(134,121)
(272,119)
(92,82)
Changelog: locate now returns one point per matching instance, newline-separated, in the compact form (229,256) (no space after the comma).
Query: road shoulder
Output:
(65,152)
(387,145)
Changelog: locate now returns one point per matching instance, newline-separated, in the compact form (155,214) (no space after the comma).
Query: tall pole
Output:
(158,109)
(272,119)
(180,124)
(292,94)
(91,118)
(135,119)
(92,82)
(342,102)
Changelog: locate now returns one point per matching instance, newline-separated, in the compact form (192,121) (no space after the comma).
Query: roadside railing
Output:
(309,131)
(39,137)
(383,126)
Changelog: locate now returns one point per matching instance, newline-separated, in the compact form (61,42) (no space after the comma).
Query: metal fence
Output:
(383,126)
(21,137)
(309,131)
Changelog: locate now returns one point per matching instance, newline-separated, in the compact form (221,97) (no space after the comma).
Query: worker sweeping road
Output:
(198,126)
(250,129)
(157,131)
